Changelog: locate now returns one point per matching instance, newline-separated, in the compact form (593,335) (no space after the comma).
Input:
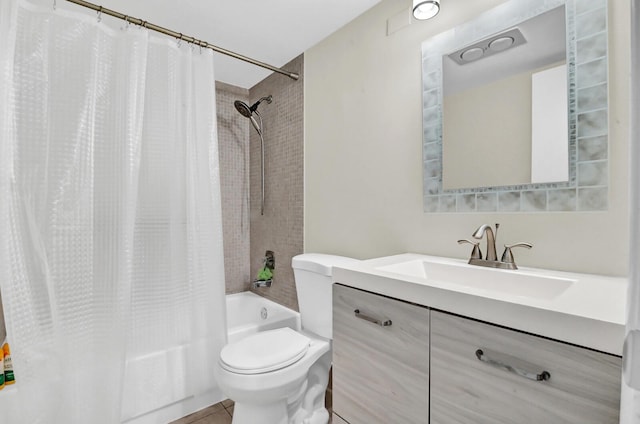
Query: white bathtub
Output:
(249,313)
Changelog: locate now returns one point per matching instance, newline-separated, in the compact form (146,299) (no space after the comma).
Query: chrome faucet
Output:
(491,239)
(506,262)
(261,283)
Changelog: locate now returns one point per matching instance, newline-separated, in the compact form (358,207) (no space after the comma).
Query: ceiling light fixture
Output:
(425,9)
(489,46)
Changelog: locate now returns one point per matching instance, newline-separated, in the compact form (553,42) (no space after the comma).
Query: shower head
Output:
(249,111)
(243,108)
(246,110)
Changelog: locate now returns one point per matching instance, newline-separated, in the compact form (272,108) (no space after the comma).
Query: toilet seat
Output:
(265,351)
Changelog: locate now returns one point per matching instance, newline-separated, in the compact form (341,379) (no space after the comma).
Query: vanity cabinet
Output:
(380,359)
(401,363)
(485,374)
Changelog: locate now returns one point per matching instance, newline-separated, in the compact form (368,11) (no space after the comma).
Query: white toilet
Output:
(280,376)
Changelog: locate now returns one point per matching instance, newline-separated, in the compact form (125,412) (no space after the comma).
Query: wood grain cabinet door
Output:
(380,372)
(484,374)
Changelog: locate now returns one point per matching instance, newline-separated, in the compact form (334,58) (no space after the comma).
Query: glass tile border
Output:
(585,126)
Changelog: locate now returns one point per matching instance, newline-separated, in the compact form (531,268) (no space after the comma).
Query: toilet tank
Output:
(312,272)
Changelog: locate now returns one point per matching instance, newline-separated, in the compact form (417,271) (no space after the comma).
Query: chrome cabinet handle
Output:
(385,323)
(531,375)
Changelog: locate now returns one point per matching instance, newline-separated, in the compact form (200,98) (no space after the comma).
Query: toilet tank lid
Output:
(320,263)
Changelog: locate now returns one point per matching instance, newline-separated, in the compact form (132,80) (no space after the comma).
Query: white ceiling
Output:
(272,31)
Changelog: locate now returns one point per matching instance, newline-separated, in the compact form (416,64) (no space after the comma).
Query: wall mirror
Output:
(515,110)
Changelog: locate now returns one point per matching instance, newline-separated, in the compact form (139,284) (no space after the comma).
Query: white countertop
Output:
(590,313)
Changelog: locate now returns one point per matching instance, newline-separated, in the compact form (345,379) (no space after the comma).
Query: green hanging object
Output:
(265,274)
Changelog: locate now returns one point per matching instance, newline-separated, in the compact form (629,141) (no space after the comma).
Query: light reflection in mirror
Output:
(497,120)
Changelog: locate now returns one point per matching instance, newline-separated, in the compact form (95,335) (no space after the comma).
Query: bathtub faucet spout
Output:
(261,283)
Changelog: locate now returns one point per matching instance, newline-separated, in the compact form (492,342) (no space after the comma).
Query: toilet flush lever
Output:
(385,323)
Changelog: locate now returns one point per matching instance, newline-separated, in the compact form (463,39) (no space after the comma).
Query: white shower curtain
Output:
(111,260)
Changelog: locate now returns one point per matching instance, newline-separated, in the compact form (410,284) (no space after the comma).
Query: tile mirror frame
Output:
(588,103)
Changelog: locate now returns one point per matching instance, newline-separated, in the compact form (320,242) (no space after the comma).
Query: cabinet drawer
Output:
(380,373)
(583,387)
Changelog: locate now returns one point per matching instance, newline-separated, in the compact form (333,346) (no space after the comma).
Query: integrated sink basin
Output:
(510,282)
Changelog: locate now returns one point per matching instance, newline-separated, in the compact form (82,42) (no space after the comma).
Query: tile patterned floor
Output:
(220,413)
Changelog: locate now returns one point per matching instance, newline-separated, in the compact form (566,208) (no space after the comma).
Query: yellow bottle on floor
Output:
(9,377)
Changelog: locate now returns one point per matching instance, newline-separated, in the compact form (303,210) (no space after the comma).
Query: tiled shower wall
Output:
(247,234)
(233,142)
(281,227)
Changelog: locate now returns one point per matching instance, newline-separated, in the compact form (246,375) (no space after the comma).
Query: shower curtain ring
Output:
(100,14)
(127,23)
(54,5)
(180,40)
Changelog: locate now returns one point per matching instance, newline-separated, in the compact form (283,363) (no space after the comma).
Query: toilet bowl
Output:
(274,396)
(280,376)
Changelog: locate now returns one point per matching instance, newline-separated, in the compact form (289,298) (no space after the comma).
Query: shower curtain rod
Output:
(180,36)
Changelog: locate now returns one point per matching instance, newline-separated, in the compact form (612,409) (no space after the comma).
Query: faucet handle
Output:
(475,253)
(507,256)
